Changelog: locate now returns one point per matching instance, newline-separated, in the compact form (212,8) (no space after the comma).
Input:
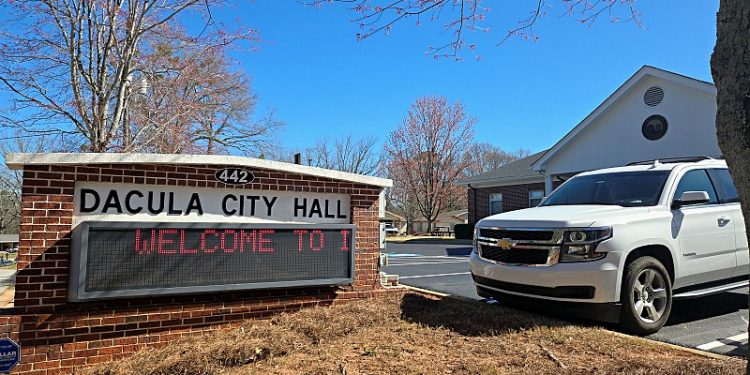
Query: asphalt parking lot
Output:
(717,323)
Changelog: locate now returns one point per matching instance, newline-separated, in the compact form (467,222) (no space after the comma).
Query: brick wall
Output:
(57,336)
(515,197)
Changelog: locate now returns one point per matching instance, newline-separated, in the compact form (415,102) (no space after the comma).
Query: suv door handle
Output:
(723,221)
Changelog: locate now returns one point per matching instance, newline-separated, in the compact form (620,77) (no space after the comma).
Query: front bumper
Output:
(584,282)
(603,312)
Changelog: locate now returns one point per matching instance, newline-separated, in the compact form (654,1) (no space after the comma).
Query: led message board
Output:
(127,259)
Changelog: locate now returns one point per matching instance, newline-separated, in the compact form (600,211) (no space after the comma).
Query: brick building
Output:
(511,187)
(655,114)
(59,332)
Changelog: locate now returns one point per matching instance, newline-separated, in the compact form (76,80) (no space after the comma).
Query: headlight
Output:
(474,241)
(579,245)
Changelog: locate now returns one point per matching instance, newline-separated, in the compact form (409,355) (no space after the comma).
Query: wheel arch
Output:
(660,252)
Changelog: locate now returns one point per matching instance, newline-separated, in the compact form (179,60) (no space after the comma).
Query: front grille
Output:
(517,256)
(518,235)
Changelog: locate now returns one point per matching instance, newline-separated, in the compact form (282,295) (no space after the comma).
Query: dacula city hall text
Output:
(136,201)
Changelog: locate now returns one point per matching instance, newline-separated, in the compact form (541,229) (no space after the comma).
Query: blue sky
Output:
(324,83)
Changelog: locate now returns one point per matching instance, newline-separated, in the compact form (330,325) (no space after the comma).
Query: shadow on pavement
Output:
(434,241)
(688,310)
(458,251)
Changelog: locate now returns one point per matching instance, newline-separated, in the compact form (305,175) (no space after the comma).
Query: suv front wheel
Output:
(646,296)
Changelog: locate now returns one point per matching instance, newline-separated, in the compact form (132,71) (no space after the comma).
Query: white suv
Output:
(619,244)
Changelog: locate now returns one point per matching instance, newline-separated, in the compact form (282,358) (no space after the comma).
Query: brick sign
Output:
(119,252)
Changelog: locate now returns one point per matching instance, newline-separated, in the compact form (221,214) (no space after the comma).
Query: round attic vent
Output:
(653,96)
(654,127)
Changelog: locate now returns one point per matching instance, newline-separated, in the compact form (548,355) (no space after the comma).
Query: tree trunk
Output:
(730,67)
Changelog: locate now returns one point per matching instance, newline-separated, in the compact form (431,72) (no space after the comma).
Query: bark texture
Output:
(730,67)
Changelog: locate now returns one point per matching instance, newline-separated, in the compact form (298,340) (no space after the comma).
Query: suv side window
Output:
(696,180)
(724,185)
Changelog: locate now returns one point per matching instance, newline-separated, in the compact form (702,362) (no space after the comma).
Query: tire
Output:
(646,296)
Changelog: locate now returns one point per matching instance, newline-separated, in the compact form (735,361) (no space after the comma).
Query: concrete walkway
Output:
(7,287)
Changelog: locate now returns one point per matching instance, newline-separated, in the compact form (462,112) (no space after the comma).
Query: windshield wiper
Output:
(585,203)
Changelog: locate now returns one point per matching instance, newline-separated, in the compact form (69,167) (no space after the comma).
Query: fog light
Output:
(579,249)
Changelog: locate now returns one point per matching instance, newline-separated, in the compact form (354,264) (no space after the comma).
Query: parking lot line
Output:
(722,342)
(433,275)
(416,257)
(424,263)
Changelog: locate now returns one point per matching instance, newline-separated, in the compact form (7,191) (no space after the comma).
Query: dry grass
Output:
(412,334)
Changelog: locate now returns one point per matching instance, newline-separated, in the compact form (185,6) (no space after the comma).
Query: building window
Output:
(535,197)
(496,203)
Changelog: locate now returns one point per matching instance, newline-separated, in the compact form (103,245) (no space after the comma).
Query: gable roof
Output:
(639,75)
(513,171)
(457,213)
(449,216)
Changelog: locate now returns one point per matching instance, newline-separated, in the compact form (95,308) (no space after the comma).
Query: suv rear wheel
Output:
(646,296)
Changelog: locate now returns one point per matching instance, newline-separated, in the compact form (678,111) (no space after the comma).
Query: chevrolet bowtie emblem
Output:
(506,243)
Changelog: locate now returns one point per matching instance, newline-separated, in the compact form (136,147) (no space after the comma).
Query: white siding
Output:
(615,138)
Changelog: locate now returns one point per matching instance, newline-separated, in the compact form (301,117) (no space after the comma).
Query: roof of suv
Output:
(656,166)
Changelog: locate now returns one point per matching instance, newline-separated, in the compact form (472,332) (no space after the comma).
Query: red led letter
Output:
(183,250)
(163,242)
(262,240)
(205,249)
(345,240)
(321,240)
(138,249)
(300,234)
(244,237)
(224,248)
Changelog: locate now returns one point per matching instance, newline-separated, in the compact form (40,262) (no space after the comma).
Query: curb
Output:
(702,353)
(694,351)
(428,292)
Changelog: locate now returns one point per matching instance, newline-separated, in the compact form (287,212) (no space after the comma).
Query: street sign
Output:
(10,354)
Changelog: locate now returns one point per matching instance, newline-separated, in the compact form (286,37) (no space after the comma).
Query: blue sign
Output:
(10,354)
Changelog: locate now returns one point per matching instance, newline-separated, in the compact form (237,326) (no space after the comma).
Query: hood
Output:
(573,216)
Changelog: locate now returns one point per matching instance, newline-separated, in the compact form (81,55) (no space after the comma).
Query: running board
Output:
(712,290)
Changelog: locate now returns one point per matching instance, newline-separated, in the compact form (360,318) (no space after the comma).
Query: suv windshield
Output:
(628,189)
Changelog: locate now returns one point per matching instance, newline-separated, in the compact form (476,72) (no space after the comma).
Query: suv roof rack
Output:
(685,159)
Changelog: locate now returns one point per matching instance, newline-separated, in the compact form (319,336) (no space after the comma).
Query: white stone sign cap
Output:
(17,161)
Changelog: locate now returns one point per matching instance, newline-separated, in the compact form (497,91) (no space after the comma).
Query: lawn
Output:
(413,334)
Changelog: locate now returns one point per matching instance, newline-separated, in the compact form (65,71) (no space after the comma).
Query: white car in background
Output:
(390,229)
(619,244)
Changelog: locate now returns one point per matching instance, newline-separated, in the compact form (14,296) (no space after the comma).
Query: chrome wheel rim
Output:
(649,296)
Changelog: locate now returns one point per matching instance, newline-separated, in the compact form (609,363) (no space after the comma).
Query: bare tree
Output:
(482,157)
(346,154)
(462,17)
(10,180)
(731,72)
(400,200)
(204,108)
(77,64)
(425,154)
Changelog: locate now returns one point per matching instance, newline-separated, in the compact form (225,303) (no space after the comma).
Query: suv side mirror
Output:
(690,198)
